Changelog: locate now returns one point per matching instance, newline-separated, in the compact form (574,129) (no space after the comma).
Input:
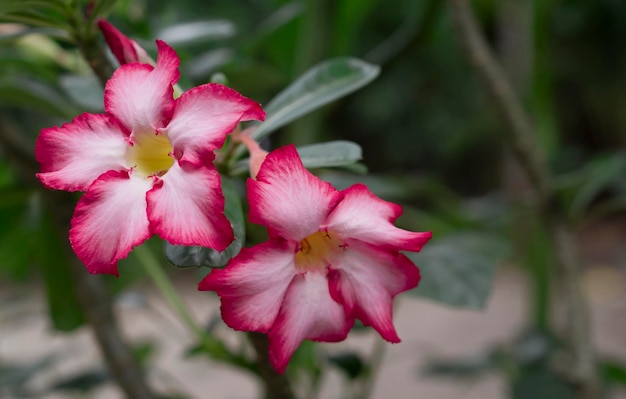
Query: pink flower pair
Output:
(146,166)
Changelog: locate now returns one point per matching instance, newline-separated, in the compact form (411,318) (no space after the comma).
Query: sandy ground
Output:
(428,331)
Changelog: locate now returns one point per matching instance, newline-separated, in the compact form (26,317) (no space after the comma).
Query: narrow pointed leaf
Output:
(321,155)
(332,153)
(319,86)
(34,94)
(598,175)
(9,6)
(190,33)
(43,19)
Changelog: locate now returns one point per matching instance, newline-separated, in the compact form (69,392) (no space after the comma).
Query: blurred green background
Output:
(431,138)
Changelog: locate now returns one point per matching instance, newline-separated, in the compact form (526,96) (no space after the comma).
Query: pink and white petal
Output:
(121,46)
(365,279)
(308,312)
(141,96)
(74,155)
(287,198)
(253,284)
(186,207)
(109,220)
(202,118)
(362,215)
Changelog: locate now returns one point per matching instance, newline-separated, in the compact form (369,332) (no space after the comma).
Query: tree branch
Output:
(532,160)
(505,99)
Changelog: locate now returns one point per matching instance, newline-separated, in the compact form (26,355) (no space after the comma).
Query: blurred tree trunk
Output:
(530,154)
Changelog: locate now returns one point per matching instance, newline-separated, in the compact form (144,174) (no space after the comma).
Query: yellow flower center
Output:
(150,154)
(317,251)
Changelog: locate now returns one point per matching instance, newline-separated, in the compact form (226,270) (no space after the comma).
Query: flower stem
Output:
(375,363)
(85,38)
(151,265)
(277,386)
(207,343)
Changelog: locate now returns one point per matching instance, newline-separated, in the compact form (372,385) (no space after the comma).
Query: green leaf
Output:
(219,77)
(10,6)
(304,368)
(20,214)
(15,35)
(14,377)
(597,175)
(541,383)
(458,269)
(321,155)
(466,367)
(319,86)
(30,93)
(194,256)
(37,18)
(85,91)
(84,381)
(614,372)
(332,153)
(63,305)
(190,33)
(350,363)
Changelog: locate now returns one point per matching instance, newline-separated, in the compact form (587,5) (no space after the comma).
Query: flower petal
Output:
(109,220)
(121,46)
(140,96)
(74,155)
(289,199)
(253,284)
(366,279)
(364,216)
(308,312)
(186,207)
(202,118)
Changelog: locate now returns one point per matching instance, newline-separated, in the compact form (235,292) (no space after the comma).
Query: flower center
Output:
(150,154)
(316,251)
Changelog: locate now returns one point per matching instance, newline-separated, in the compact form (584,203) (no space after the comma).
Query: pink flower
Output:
(146,164)
(124,49)
(332,256)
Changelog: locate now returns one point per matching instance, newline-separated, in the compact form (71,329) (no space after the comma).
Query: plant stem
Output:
(375,363)
(518,55)
(277,386)
(207,342)
(532,160)
(151,265)
(85,37)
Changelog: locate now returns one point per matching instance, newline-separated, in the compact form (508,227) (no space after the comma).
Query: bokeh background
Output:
(488,320)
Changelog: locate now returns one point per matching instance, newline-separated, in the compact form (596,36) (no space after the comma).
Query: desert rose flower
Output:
(146,164)
(332,256)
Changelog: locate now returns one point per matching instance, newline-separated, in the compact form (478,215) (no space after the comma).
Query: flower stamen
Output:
(151,154)
(317,251)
